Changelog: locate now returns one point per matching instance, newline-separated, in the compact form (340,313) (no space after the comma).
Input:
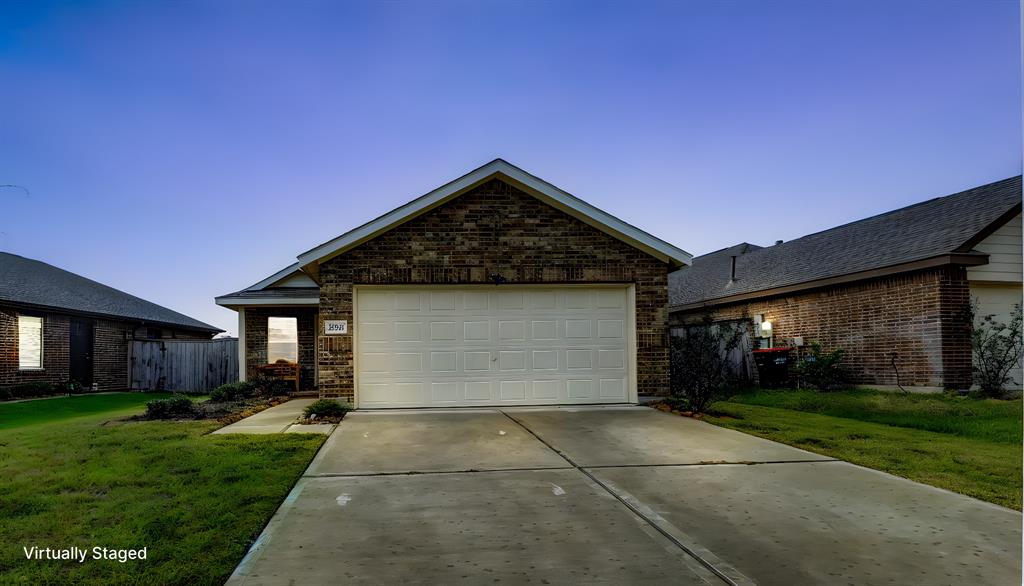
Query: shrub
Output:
(233,392)
(326,408)
(996,348)
(822,370)
(175,407)
(32,390)
(269,386)
(700,368)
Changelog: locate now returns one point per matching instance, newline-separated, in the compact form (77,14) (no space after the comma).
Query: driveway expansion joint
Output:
(430,472)
(705,558)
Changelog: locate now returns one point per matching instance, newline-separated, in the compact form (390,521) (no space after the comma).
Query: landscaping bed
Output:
(195,501)
(967,445)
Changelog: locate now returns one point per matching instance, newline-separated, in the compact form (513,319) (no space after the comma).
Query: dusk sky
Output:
(179,151)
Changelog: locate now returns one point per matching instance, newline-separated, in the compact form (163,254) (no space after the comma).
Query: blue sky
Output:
(180,150)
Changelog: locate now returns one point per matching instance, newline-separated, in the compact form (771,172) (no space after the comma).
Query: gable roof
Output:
(937,231)
(36,284)
(288,286)
(532,185)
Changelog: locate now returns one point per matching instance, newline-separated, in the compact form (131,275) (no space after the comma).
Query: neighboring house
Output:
(56,326)
(893,286)
(495,289)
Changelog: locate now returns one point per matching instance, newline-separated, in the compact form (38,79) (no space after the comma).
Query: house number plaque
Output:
(334,327)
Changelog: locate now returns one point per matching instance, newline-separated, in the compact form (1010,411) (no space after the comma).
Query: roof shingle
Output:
(31,282)
(943,225)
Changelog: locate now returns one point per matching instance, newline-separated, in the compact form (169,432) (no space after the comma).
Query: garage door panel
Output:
(476,347)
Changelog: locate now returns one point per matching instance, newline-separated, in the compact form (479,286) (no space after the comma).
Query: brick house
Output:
(56,326)
(896,286)
(497,288)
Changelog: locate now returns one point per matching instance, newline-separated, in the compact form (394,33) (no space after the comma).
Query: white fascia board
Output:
(232,302)
(279,275)
(536,186)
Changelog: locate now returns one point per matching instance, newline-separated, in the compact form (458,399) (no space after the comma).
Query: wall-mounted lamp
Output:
(766,329)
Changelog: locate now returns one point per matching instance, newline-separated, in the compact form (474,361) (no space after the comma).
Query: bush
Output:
(269,386)
(31,390)
(700,368)
(326,408)
(233,392)
(822,370)
(175,407)
(996,348)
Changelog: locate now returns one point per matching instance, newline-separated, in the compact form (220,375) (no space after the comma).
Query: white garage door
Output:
(505,345)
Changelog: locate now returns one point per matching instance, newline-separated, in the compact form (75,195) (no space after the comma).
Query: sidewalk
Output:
(279,419)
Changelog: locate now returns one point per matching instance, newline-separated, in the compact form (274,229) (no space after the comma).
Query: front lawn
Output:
(19,413)
(966,445)
(196,501)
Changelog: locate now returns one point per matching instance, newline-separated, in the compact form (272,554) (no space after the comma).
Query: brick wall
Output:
(495,228)
(256,340)
(111,340)
(110,354)
(55,349)
(921,316)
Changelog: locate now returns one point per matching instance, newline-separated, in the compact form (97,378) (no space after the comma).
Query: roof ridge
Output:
(1007,180)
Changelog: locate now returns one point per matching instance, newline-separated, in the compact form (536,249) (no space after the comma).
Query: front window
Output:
(282,339)
(30,342)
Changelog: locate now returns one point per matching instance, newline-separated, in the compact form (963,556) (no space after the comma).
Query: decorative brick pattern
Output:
(256,340)
(922,316)
(494,229)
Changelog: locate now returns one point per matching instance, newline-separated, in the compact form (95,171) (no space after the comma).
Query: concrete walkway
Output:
(279,419)
(623,495)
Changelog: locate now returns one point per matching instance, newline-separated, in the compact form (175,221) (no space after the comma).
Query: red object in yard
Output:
(772,366)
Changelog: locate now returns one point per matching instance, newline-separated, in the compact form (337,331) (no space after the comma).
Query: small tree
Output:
(701,370)
(822,370)
(996,348)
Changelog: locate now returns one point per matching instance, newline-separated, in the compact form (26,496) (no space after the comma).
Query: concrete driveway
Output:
(611,496)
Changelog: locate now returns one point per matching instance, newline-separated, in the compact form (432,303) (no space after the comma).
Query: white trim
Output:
(354,332)
(634,392)
(241,344)
(535,186)
(279,275)
(243,301)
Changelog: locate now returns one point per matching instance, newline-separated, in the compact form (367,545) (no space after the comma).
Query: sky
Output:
(183,150)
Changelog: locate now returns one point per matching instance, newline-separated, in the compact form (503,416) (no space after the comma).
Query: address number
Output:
(335,326)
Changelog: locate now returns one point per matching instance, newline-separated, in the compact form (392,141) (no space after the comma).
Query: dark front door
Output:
(81,352)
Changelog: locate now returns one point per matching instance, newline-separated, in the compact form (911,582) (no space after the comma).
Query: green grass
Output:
(55,409)
(920,438)
(987,419)
(196,501)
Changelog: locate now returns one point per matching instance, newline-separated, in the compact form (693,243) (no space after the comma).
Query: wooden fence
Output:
(184,365)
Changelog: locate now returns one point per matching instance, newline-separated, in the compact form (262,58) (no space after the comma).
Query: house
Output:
(497,288)
(56,327)
(892,290)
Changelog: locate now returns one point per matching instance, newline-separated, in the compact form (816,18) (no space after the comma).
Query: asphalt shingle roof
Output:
(31,282)
(938,226)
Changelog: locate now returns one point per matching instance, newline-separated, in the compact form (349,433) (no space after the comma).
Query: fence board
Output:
(184,365)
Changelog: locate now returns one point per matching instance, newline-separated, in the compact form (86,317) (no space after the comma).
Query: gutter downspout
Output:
(241,343)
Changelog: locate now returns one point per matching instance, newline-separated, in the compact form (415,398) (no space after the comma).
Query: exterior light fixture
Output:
(766,329)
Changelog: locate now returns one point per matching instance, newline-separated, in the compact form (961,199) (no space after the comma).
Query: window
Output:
(282,339)
(30,342)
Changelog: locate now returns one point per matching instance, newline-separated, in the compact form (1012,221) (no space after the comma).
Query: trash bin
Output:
(772,366)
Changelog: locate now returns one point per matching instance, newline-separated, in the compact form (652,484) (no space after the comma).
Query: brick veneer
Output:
(256,340)
(111,341)
(55,349)
(495,228)
(922,316)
